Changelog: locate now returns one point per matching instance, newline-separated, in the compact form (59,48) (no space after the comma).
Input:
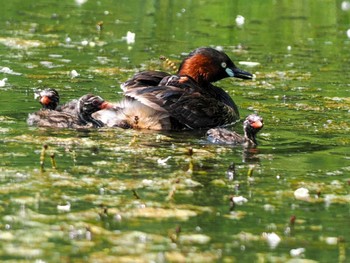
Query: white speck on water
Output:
(88,235)
(239,200)
(80,2)
(297,252)
(68,40)
(47,64)
(163,161)
(345,6)
(198,229)
(269,208)
(64,60)
(249,63)
(272,239)
(239,20)
(64,208)
(73,74)
(331,240)
(289,48)
(118,217)
(84,42)
(106,12)
(348,33)
(55,55)
(130,37)
(3,82)
(301,193)
(329,199)
(287,231)
(9,71)
(147,182)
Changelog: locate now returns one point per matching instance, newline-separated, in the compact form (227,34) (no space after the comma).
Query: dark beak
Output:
(241,74)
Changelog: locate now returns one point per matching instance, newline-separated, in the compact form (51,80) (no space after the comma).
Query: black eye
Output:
(95,102)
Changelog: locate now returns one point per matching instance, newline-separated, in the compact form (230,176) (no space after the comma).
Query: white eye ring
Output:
(223,64)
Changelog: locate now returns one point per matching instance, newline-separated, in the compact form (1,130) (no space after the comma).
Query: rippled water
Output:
(113,195)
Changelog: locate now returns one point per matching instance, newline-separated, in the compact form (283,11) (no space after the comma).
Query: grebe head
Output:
(87,105)
(48,98)
(252,125)
(210,65)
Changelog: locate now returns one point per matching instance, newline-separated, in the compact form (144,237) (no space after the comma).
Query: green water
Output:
(125,205)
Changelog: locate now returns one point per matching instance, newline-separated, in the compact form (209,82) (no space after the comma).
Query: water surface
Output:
(112,197)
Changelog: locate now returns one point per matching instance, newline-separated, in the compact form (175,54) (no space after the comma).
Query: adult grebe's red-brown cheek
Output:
(45,100)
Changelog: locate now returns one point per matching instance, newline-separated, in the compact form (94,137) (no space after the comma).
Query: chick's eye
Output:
(223,64)
(95,102)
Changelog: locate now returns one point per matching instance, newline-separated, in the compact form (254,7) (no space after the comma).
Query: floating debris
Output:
(73,74)
(64,208)
(47,64)
(269,208)
(348,33)
(130,37)
(84,43)
(302,194)
(19,43)
(345,6)
(249,63)
(9,71)
(163,161)
(55,56)
(239,20)
(297,252)
(239,200)
(272,239)
(80,2)
(236,215)
(3,82)
(331,240)
(194,239)
(161,213)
